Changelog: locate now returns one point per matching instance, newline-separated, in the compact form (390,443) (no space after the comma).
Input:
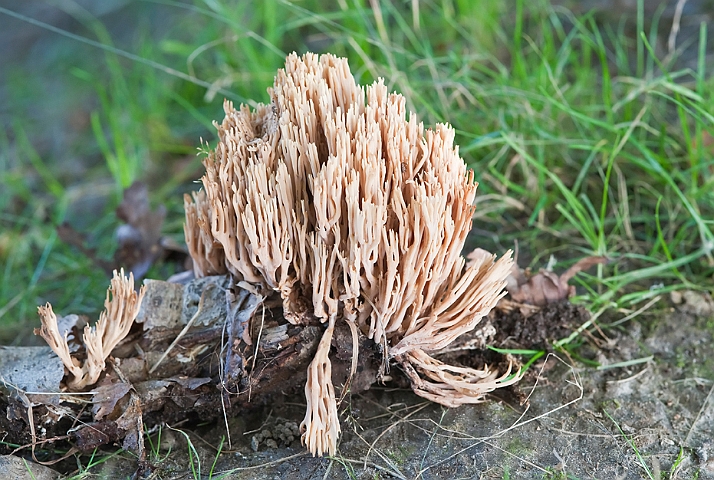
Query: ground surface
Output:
(649,420)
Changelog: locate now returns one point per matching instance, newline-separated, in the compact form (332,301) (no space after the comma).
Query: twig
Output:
(636,312)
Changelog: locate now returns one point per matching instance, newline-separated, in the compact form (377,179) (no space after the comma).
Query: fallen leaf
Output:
(94,435)
(132,423)
(546,286)
(106,396)
(140,237)
(189,382)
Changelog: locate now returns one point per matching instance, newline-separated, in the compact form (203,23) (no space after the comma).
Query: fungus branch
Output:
(449,385)
(321,426)
(120,309)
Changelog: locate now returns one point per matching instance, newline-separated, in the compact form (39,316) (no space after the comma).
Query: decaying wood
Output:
(237,352)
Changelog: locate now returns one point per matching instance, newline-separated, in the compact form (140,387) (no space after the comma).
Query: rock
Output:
(17,468)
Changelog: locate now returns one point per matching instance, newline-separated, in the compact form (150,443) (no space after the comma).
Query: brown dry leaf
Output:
(140,238)
(546,286)
(189,383)
(132,422)
(106,396)
(94,435)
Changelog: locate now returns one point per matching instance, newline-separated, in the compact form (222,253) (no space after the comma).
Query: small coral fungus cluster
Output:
(337,199)
(120,310)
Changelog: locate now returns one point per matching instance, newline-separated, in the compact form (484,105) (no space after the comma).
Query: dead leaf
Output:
(132,423)
(94,435)
(140,238)
(546,286)
(106,396)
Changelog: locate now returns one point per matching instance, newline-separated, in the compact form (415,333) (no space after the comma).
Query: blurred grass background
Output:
(588,124)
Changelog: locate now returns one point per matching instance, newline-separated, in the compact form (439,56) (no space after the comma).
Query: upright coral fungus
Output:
(335,198)
(120,310)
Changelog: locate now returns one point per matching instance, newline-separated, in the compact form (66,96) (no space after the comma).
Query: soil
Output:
(579,422)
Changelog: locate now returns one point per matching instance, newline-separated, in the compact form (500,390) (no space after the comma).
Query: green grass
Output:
(583,139)
(632,445)
(579,149)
